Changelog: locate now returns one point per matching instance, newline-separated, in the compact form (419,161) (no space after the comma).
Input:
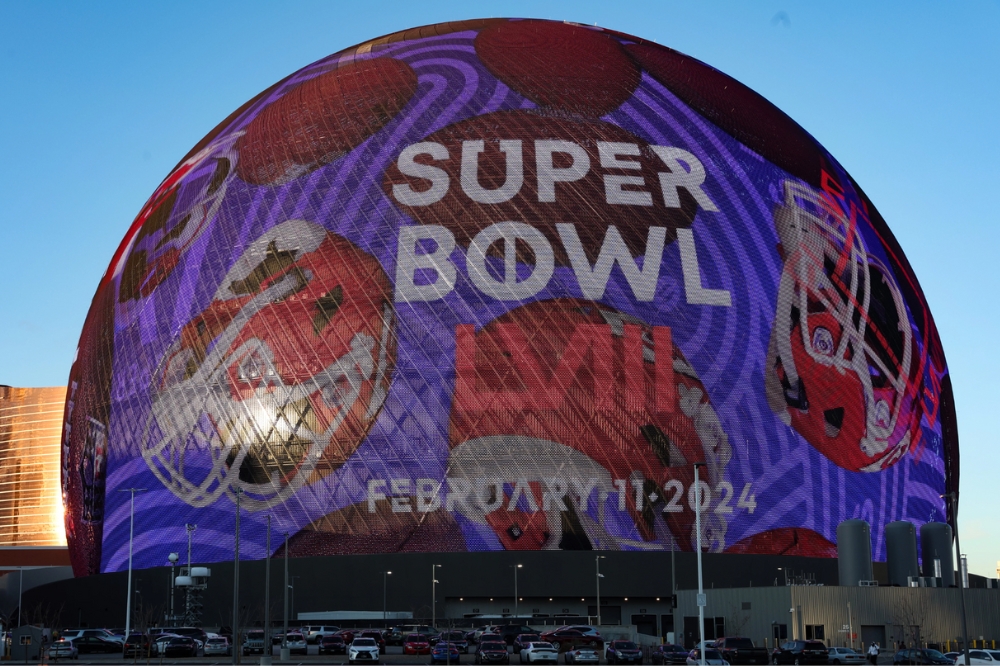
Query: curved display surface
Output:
(496,285)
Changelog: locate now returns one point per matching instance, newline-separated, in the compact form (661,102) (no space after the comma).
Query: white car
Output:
(981,657)
(539,653)
(712,657)
(316,632)
(296,643)
(845,655)
(217,645)
(63,649)
(363,649)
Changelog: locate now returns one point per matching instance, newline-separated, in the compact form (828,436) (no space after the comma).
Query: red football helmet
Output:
(841,358)
(276,383)
(566,432)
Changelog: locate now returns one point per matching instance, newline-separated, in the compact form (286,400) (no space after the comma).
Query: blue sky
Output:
(100,100)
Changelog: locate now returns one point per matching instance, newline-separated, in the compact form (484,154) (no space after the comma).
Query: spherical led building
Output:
(499,285)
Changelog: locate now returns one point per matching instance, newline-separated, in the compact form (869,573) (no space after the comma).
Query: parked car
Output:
(363,649)
(137,645)
(668,654)
(540,652)
(924,656)
(416,644)
(623,652)
(63,649)
(508,632)
(844,655)
(954,656)
(217,645)
(800,652)
(253,643)
(474,635)
(347,635)
(314,632)
(97,645)
(492,652)
(159,642)
(522,640)
(582,655)
(377,636)
(712,657)
(456,638)
(197,633)
(181,646)
(398,634)
(73,634)
(741,650)
(332,644)
(445,653)
(566,639)
(296,643)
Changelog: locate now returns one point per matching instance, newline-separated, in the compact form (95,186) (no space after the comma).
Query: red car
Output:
(416,644)
(347,635)
(567,639)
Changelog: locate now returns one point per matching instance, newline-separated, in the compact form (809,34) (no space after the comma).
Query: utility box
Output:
(29,642)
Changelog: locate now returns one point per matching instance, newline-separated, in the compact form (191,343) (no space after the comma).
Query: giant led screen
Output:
(500,285)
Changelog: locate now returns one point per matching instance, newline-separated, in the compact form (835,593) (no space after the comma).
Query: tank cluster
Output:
(854,554)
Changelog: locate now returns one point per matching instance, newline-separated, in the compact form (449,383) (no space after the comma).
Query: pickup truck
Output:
(738,650)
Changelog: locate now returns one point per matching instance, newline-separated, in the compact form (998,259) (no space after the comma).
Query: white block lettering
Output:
(593,280)
(686,172)
(509,289)
(694,292)
(408,262)
(549,174)
(405,194)
(470,172)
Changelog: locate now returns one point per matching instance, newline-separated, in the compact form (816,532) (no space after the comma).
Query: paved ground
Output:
(394,657)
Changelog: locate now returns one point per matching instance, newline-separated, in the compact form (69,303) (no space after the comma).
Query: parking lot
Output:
(393,655)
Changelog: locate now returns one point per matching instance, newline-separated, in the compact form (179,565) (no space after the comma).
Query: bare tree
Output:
(909,614)
(737,620)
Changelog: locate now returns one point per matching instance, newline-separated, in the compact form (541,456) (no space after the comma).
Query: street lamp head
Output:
(519,566)
(600,575)
(699,464)
(388,573)
(173,557)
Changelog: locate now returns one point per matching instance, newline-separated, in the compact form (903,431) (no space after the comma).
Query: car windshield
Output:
(455,636)
(846,650)
(528,637)
(934,654)
(364,642)
(625,645)
(179,640)
(739,643)
(712,654)
(333,639)
(494,646)
(216,640)
(993,653)
(542,646)
(416,638)
(814,645)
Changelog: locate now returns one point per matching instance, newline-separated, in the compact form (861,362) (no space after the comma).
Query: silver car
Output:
(845,655)
(582,655)
(363,649)
(63,649)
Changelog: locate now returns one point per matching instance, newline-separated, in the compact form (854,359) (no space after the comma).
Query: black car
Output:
(456,638)
(623,652)
(668,654)
(493,652)
(137,645)
(920,656)
(182,646)
(800,652)
(508,632)
(332,644)
(96,645)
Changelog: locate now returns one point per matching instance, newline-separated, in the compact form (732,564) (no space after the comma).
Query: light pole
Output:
(284,635)
(434,582)
(597,565)
(173,557)
(131,528)
(265,658)
(950,500)
(236,578)
(786,574)
(701,590)
(516,567)
(385,575)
